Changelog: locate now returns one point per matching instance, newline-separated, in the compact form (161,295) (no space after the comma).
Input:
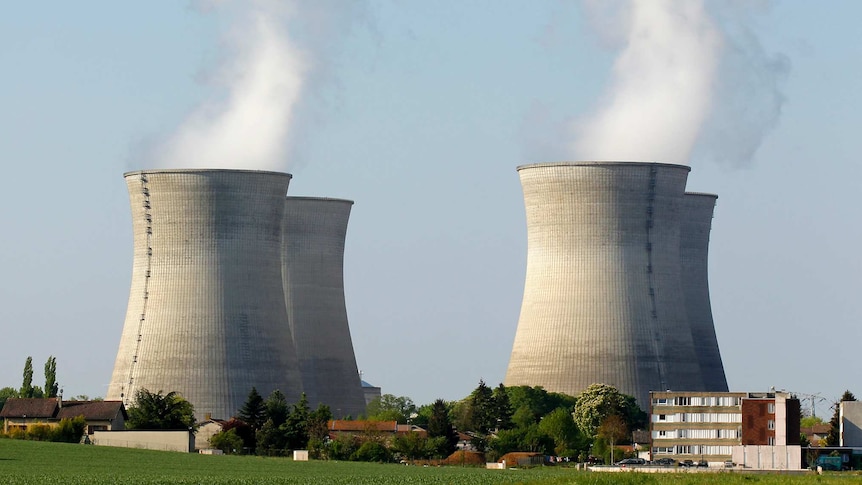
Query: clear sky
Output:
(420,113)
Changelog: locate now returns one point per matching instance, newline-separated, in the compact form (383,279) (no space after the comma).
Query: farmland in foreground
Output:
(26,462)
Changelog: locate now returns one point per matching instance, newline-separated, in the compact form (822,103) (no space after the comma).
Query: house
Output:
(206,430)
(720,427)
(816,434)
(385,429)
(100,415)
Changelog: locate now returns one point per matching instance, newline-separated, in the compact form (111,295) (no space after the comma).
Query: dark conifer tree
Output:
(253,411)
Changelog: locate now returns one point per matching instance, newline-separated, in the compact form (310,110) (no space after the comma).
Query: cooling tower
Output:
(313,260)
(696,221)
(603,301)
(206,308)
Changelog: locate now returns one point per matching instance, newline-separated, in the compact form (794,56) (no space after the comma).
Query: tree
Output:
(440,426)
(253,411)
(613,429)
(411,446)
(482,409)
(296,426)
(277,408)
(502,408)
(560,426)
(390,408)
(152,410)
(227,441)
(51,386)
(598,401)
(833,438)
(5,394)
(27,385)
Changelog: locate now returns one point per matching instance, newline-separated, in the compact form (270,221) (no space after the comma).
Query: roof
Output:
(96,410)
(29,407)
(49,408)
(816,429)
(360,426)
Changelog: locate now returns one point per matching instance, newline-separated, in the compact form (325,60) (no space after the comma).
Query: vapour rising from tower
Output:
(691,81)
(696,223)
(206,314)
(603,299)
(313,272)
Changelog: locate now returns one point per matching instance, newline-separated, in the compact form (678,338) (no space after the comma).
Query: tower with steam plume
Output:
(206,307)
(603,298)
(312,266)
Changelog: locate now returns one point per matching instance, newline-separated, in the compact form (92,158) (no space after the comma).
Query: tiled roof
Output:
(816,429)
(96,410)
(29,407)
(361,426)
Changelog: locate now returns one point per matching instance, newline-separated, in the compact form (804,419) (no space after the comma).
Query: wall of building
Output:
(758,418)
(851,423)
(758,457)
(182,441)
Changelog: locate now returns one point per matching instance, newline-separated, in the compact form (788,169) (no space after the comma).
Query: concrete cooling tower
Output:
(603,297)
(206,308)
(313,260)
(696,220)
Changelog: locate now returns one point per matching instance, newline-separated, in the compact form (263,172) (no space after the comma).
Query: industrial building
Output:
(314,232)
(206,313)
(748,429)
(616,287)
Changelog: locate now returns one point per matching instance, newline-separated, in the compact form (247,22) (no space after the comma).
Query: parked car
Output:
(665,462)
(631,461)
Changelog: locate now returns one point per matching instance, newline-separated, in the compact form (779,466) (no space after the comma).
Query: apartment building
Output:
(707,426)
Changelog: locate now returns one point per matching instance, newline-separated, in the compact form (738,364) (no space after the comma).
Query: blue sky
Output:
(420,112)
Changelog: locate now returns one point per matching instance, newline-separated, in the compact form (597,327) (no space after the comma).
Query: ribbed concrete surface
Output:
(696,220)
(206,308)
(603,301)
(313,269)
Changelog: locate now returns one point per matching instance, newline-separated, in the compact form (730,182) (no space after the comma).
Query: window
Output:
(770,424)
(683,401)
(662,417)
(770,408)
(662,433)
(771,441)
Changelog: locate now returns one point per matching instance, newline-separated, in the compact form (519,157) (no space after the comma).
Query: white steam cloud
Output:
(271,57)
(684,83)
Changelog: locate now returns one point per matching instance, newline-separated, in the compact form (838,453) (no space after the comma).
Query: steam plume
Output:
(683,84)
(271,57)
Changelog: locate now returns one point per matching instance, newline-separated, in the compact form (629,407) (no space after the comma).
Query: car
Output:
(665,462)
(631,461)
(687,463)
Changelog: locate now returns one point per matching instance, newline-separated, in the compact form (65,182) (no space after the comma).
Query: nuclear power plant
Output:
(313,260)
(616,286)
(207,314)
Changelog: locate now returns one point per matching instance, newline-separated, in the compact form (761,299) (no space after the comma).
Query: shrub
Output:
(70,430)
(40,432)
(227,441)
(372,451)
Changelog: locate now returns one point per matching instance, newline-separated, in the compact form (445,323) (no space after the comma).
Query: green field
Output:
(26,462)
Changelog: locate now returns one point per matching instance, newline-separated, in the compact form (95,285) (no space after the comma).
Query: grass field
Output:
(28,462)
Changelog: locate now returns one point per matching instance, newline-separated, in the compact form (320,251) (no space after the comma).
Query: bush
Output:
(227,441)
(40,432)
(372,451)
(70,430)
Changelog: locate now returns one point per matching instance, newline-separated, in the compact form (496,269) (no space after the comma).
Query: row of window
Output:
(696,433)
(697,418)
(692,450)
(698,401)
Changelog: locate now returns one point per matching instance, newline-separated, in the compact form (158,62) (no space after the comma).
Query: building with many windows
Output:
(718,427)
